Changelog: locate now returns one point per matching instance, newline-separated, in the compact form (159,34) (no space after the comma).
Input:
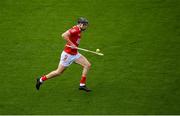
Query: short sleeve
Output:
(72,31)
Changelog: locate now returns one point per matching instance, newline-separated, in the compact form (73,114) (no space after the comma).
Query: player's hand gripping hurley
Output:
(97,53)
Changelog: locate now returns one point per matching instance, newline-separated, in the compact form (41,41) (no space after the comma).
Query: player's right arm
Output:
(66,36)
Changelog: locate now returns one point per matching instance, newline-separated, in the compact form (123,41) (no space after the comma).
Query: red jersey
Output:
(75,36)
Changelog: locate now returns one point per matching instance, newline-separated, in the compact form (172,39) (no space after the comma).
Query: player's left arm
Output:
(66,36)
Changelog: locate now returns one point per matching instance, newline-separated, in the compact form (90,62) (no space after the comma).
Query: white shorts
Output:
(67,59)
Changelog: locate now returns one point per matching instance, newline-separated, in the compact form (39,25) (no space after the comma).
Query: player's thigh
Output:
(66,59)
(83,61)
(61,68)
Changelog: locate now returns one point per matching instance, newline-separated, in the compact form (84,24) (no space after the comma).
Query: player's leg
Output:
(84,63)
(52,74)
(86,66)
(65,61)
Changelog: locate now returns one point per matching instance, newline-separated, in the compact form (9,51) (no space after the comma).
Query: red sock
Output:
(44,78)
(83,80)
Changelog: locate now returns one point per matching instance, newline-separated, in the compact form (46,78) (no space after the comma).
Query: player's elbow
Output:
(62,35)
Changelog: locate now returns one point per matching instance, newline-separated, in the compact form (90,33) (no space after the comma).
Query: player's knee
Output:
(88,65)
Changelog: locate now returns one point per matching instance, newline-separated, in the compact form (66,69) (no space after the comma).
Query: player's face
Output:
(83,27)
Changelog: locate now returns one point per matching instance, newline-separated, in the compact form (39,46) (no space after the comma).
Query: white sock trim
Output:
(82,84)
(41,80)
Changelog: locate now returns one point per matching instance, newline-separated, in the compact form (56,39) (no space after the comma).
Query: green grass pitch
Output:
(139,73)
